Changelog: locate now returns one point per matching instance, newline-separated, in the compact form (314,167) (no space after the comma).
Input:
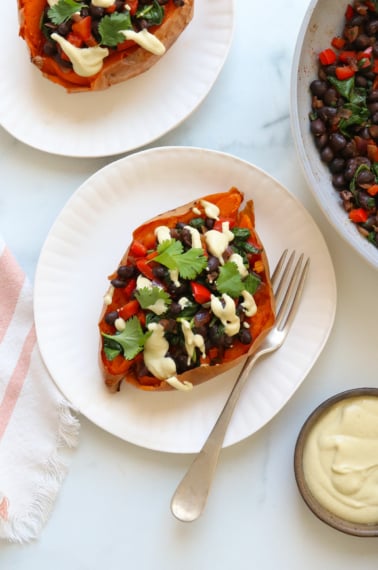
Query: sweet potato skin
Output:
(229,203)
(118,67)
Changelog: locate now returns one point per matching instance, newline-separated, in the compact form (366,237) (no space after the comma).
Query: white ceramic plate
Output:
(323,20)
(85,245)
(124,117)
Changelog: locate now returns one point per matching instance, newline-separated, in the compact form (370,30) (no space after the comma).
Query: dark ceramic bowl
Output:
(319,510)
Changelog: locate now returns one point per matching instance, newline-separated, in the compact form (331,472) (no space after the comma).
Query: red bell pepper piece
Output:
(128,290)
(338,42)
(349,12)
(218,223)
(373,190)
(345,72)
(358,215)
(327,56)
(137,249)
(346,55)
(83,28)
(129,310)
(133,6)
(201,293)
(145,268)
(75,39)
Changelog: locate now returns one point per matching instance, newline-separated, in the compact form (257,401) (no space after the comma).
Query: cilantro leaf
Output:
(168,251)
(63,10)
(229,280)
(148,296)
(189,263)
(111,26)
(251,283)
(131,340)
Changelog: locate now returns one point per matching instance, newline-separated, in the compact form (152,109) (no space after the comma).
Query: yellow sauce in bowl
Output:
(340,459)
(336,461)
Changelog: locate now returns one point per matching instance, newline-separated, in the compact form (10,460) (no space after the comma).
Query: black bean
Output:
(350,150)
(337,165)
(371,27)
(96,11)
(160,272)
(325,113)
(212,263)
(245,336)
(318,127)
(373,107)
(321,141)
(338,181)
(362,42)
(365,177)
(318,88)
(327,154)
(330,96)
(337,141)
(124,272)
(202,317)
(372,96)
(49,48)
(111,317)
(65,28)
(227,341)
(175,308)
(209,223)
(118,283)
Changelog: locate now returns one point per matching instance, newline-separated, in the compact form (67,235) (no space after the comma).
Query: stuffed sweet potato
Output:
(190,297)
(89,45)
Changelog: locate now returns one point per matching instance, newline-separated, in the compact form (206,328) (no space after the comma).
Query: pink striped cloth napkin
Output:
(38,428)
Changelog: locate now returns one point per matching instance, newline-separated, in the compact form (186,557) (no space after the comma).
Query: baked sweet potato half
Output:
(190,297)
(89,45)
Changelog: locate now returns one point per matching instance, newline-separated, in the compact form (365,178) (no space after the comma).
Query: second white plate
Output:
(124,117)
(85,245)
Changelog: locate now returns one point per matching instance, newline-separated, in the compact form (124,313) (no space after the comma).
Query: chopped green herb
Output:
(130,341)
(197,223)
(189,263)
(110,28)
(229,280)
(153,13)
(63,10)
(252,283)
(148,296)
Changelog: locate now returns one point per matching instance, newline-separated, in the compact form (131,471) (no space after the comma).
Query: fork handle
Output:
(189,499)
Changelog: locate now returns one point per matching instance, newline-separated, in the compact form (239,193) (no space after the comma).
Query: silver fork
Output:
(190,497)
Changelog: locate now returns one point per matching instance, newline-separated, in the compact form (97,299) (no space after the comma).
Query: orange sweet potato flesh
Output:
(230,205)
(119,66)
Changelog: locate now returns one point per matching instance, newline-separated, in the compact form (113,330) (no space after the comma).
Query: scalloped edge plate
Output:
(125,116)
(86,243)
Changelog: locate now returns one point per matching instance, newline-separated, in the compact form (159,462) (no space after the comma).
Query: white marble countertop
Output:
(113,509)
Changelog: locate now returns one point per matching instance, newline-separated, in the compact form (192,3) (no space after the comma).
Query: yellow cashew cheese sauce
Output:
(340,459)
